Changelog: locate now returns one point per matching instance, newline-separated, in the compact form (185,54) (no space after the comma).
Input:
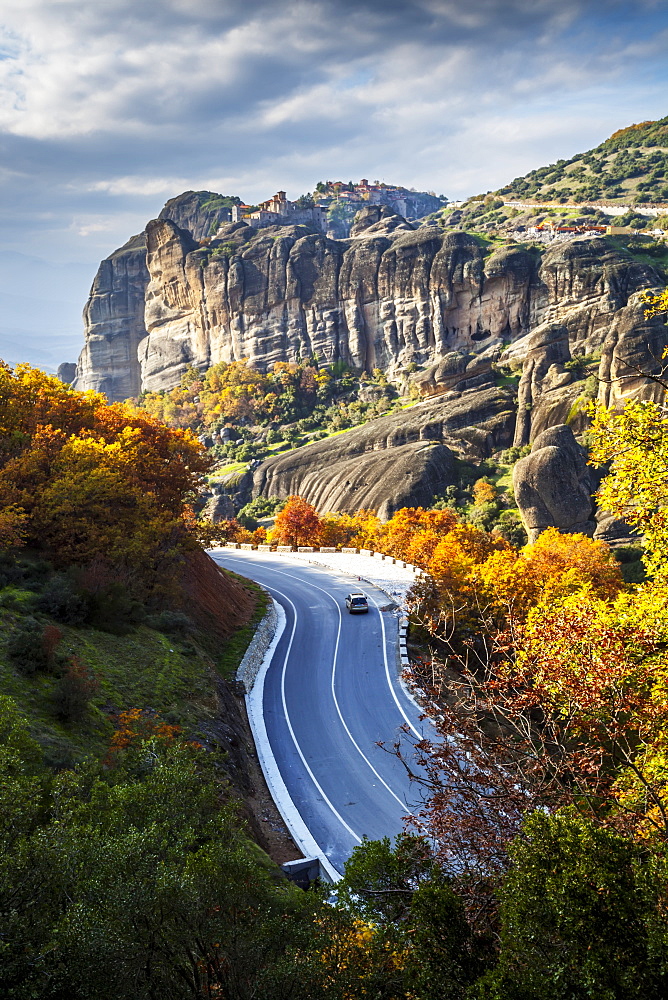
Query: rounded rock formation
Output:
(553,486)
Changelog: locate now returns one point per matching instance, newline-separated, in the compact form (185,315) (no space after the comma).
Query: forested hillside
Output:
(631,167)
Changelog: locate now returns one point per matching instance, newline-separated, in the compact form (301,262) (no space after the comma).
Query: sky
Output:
(110,107)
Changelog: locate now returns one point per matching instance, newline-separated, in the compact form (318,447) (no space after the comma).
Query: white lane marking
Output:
(336,702)
(389,678)
(291,576)
(279,791)
(352,739)
(287,719)
(387,671)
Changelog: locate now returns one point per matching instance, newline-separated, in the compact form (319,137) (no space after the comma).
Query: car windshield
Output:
(359,600)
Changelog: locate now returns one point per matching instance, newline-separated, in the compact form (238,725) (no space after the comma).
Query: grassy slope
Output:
(169,674)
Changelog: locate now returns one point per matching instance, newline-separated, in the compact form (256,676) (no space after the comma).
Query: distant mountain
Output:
(631,168)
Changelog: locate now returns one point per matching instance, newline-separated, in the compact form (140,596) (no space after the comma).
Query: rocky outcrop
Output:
(114,313)
(67,372)
(378,220)
(392,296)
(395,461)
(595,313)
(218,507)
(199,212)
(430,307)
(553,486)
(114,321)
(284,292)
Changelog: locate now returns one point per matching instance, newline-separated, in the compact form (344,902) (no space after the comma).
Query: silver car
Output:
(357,603)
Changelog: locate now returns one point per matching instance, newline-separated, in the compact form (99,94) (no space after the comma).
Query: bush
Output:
(512,455)
(113,609)
(509,525)
(262,507)
(33,647)
(627,553)
(75,689)
(172,622)
(484,515)
(63,601)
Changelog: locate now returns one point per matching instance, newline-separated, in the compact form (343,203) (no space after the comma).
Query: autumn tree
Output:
(85,480)
(297,523)
(483,492)
(635,445)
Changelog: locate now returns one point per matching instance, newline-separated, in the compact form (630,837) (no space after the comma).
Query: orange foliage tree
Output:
(297,523)
(554,565)
(483,492)
(82,479)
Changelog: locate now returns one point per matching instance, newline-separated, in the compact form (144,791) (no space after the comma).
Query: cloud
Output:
(107,109)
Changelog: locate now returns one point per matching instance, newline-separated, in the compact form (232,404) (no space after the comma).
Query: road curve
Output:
(330,694)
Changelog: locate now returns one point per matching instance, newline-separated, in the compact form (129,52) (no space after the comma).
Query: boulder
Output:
(219,508)
(67,372)
(553,487)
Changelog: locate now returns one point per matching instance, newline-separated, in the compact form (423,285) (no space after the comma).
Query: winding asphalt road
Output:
(330,693)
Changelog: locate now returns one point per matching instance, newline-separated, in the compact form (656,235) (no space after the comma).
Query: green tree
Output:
(134,881)
(575,917)
(403,894)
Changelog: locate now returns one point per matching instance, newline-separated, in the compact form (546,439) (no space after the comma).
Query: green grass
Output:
(227,470)
(236,646)
(172,675)
(144,669)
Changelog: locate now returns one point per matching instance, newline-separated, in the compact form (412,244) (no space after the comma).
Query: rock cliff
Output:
(392,296)
(396,461)
(441,309)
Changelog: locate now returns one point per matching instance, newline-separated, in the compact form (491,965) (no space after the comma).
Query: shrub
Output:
(484,515)
(114,609)
(75,688)
(627,553)
(172,622)
(62,601)
(33,647)
(512,455)
(509,526)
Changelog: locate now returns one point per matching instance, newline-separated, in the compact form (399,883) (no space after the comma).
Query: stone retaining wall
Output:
(248,669)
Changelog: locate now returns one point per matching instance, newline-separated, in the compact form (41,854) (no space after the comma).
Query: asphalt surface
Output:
(331,693)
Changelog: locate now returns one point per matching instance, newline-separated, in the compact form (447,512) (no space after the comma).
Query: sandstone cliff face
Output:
(391,296)
(114,314)
(553,485)
(114,321)
(397,297)
(199,212)
(283,292)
